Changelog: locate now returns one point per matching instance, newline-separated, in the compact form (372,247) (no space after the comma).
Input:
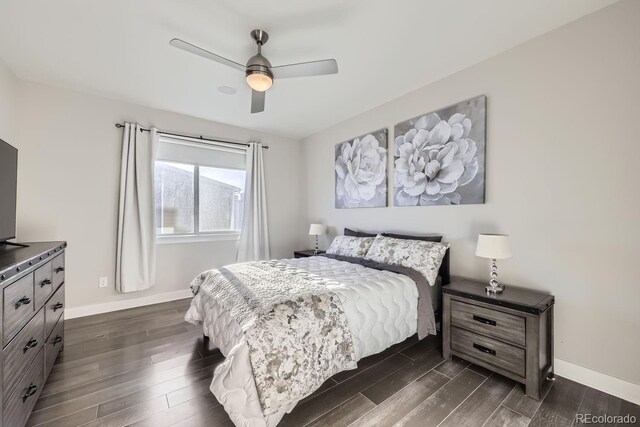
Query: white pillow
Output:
(422,256)
(350,246)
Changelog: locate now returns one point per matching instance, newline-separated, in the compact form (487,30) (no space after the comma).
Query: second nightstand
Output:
(510,333)
(306,253)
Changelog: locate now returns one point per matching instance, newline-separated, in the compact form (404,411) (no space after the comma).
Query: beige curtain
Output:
(135,252)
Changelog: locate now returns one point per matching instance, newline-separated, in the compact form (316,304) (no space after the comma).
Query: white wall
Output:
(69,180)
(7,103)
(562,151)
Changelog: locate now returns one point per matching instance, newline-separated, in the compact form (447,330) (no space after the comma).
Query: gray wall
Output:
(68,188)
(562,148)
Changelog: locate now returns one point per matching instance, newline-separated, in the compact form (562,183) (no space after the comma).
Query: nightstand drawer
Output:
(496,353)
(506,327)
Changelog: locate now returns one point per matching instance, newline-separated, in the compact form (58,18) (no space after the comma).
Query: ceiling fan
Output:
(259,72)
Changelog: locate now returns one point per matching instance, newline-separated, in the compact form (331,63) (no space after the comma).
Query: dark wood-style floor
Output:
(147,367)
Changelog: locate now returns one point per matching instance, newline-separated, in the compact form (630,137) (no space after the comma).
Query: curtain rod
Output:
(200,137)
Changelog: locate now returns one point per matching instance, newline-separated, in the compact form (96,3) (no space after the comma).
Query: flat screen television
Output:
(8,190)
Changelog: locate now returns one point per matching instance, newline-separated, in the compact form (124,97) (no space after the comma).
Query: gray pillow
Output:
(354,233)
(427,238)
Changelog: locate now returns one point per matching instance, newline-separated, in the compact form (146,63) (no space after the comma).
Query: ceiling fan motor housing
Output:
(259,64)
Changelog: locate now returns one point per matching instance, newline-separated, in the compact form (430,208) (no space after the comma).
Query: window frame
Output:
(197,235)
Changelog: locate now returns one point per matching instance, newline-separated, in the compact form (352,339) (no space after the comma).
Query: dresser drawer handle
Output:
(45,282)
(57,306)
(23,301)
(484,349)
(30,344)
(59,269)
(57,340)
(31,390)
(483,320)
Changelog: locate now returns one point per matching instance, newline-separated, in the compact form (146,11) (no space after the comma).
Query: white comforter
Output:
(381,308)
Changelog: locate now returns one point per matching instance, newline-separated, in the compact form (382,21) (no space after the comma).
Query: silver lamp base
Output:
(494,290)
(494,287)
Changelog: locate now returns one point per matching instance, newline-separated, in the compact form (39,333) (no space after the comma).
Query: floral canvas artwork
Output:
(361,171)
(439,157)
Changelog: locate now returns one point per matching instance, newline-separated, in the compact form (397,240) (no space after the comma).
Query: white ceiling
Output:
(384,49)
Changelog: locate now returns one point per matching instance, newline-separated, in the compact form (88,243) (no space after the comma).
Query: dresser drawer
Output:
(53,310)
(53,346)
(21,351)
(43,285)
(57,270)
(505,327)
(19,405)
(18,306)
(496,353)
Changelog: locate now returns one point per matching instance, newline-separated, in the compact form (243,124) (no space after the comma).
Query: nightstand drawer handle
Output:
(484,349)
(31,390)
(30,344)
(483,320)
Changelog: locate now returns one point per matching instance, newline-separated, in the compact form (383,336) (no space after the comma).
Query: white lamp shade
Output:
(316,230)
(493,246)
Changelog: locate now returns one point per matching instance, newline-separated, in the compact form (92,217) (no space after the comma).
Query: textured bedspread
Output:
(381,309)
(295,328)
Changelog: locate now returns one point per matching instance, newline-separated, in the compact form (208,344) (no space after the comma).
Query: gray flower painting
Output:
(361,171)
(439,157)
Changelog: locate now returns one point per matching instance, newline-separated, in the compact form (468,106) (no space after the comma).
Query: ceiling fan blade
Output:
(188,47)
(257,101)
(305,69)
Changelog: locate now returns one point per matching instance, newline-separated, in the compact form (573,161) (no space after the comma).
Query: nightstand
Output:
(306,253)
(510,333)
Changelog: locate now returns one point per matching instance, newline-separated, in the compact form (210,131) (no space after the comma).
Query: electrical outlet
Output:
(103,282)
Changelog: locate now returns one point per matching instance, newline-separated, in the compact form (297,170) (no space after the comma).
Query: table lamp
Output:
(316,230)
(493,246)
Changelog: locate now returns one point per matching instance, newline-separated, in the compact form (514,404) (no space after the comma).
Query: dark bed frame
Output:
(445,277)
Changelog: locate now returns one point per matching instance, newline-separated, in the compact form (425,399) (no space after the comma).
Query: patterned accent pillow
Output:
(351,246)
(422,256)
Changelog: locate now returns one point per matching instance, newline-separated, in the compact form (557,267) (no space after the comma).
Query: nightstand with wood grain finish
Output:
(510,333)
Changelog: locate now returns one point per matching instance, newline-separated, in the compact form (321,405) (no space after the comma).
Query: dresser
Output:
(32,324)
(510,333)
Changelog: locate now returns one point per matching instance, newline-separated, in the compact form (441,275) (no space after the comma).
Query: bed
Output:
(379,305)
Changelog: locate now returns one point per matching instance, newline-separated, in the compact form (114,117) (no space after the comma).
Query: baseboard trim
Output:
(90,310)
(612,385)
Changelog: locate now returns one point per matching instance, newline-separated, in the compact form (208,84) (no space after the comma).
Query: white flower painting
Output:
(439,157)
(361,171)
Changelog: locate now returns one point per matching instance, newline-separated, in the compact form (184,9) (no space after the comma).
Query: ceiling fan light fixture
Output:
(259,80)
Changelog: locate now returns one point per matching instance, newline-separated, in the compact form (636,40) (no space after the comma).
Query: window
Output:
(198,201)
